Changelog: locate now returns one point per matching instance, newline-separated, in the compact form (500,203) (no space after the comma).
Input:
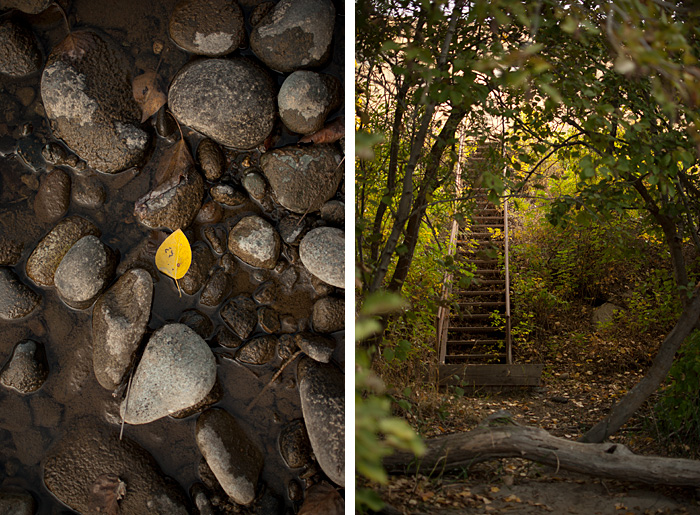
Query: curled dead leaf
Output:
(330,133)
(105,494)
(76,44)
(148,94)
(173,162)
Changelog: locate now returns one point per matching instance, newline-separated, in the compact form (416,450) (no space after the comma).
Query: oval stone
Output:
(232,101)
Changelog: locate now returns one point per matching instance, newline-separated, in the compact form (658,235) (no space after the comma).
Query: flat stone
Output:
(53,198)
(211,157)
(17,502)
(27,369)
(333,212)
(232,456)
(87,94)
(84,272)
(322,251)
(19,50)
(317,347)
(231,101)
(294,34)
(255,185)
(17,300)
(227,195)
(303,178)
(240,315)
(329,314)
(177,371)
(202,262)
(294,444)
(255,241)
(322,392)
(88,192)
(216,289)
(306,98)
(258,351)
(119,321)
(207,27)
(173,203)
(89,451)
(49,252)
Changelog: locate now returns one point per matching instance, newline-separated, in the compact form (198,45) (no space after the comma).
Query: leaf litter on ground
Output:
(149,94)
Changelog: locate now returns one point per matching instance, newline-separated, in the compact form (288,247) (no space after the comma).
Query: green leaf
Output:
(383,303)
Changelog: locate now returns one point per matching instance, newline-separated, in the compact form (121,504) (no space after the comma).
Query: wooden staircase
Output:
(473,327)
(474,334)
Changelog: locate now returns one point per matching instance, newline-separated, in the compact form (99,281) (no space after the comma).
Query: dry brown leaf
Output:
(322,499)
(76,44)
(148,94)
(330,133)
(173,163)
(105,494)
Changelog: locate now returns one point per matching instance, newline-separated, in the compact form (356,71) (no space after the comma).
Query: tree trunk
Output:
(608,460)
(625,408)
(428,185)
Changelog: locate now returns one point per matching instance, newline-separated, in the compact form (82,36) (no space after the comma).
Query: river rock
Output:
(240,315)
(329,314)
(198,322)
(317,347)
(53,198)
(233,457)
(322,251)
(268,319)
(27,369)
(177,371)
(255,185)
(10,251)
(88,452)
(47,255)
(202,261)
(17,300)
(19,50)
(119,322)
(322,392)
(333,212)
(210,213)
(87,94)
(231,101)
(216,289)
(604,314)
(17,502)
(258,351)
(211,157)
(295,34)
(255,241)
(227,195)
(27,6)
(207,27)
(306,99)
(84,272)
(303,178)
(294,444)
(173,203)
(88,192)
(216,236)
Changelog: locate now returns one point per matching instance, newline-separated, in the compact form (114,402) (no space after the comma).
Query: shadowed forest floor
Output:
(581,382)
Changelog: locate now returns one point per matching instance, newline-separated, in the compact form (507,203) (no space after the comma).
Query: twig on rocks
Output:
(272,380)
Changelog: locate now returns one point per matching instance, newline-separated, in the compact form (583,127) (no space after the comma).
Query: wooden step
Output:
(457,343)
(470,316)
(475,330)
(472,356)
(481,304)
(477,293)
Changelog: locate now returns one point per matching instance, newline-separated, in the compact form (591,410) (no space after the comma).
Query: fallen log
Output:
(490,441)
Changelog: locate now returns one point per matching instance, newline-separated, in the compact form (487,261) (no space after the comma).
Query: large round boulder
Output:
(87,94)
(230,100)
(255,241)
(207,27)
(295,34)
(306,98)
(322,251)
(303,178)
(177,371)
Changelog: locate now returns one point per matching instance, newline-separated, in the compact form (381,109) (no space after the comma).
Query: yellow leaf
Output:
(174,256)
